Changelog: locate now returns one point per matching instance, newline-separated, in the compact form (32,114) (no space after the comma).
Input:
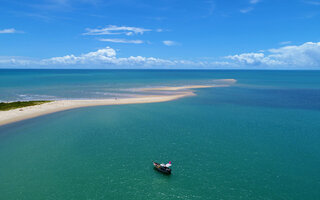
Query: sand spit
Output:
(19,114)
(15,115)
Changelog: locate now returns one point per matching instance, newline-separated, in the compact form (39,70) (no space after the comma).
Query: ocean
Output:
(258,139)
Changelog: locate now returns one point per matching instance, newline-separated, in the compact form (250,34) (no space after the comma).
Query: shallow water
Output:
(259,139)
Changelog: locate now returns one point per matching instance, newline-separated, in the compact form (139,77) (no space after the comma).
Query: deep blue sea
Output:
(258,139)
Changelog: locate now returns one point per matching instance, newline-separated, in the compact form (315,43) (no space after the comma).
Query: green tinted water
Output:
(225,143)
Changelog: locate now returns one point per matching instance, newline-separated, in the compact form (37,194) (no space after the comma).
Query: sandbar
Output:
(19,114)
(28,112)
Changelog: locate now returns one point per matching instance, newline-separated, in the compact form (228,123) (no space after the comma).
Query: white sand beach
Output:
(28,112)
(15,115)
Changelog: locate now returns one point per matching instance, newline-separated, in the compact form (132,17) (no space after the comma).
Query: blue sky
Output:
(251,34)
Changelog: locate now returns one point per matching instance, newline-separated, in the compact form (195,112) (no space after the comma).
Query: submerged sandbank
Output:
(225,83)
(19,114)
(177,88)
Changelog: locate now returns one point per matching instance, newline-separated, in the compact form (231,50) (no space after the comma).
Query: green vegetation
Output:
(19,104)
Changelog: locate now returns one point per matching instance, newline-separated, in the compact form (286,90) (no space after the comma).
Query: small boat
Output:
(163,168)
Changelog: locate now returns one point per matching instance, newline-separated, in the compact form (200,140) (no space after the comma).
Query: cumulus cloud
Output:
(119,40)
(7,61)
(107,58)
(116,30)
(306,55)
(169,43)
(247,58)
(8,31)
(107,54)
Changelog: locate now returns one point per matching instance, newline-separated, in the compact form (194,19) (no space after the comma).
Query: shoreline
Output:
(19,114)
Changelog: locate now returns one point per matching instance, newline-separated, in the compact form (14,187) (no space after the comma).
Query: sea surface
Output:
(258,139)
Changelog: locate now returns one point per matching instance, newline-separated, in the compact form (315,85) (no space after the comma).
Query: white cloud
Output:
(116,30)
(316,3)
(246,10)
(106,54)
(254,1)
(247,58)
(107,58)
(306,55)
(119,40)
(169,43)
(18,61)
(285,43)
(251,8)
(9,30)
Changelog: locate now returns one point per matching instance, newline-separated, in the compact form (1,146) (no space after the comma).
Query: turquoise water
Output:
(259,139)
(75,84)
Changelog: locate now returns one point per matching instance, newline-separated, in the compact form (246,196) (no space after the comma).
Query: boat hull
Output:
(159,168)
